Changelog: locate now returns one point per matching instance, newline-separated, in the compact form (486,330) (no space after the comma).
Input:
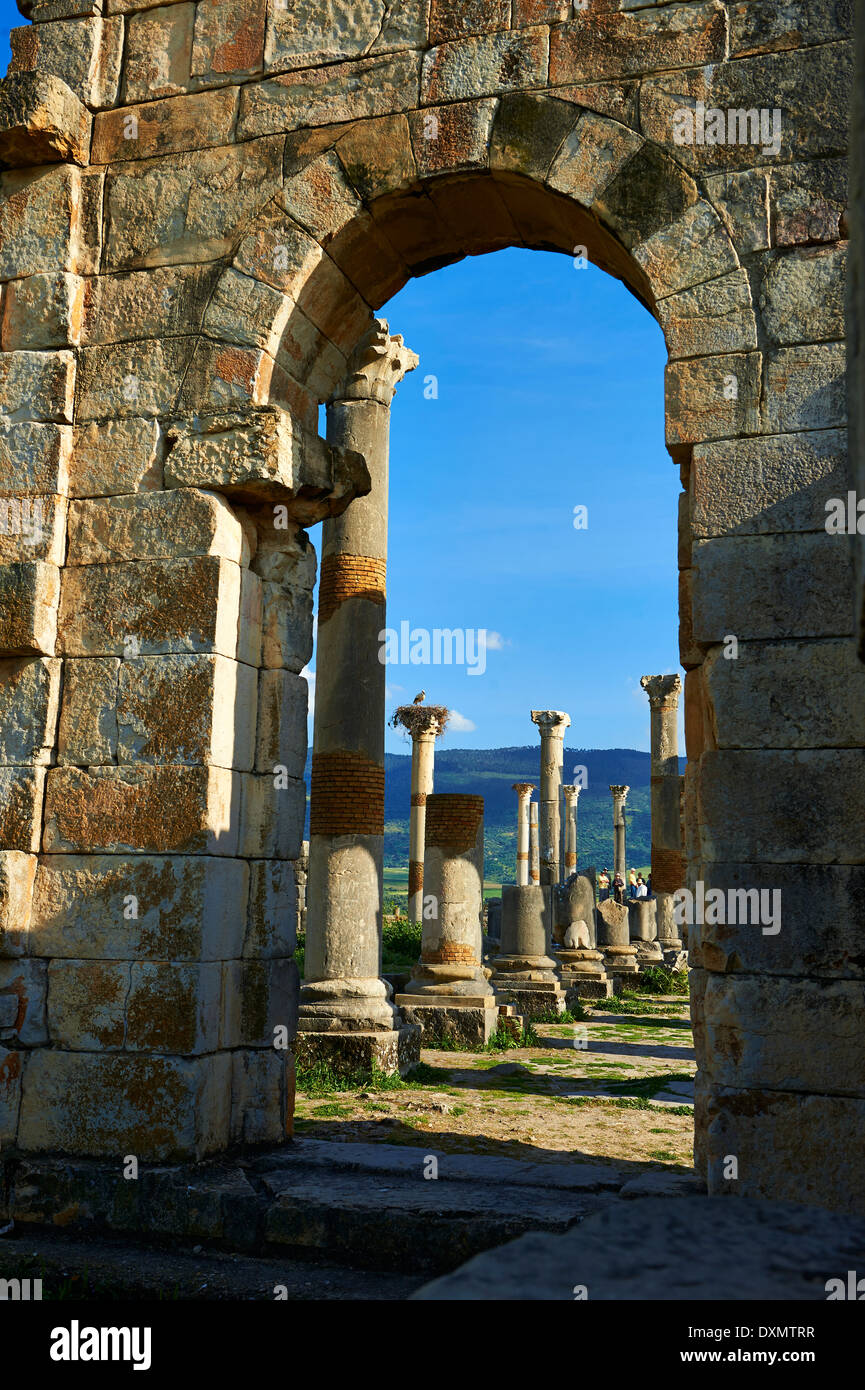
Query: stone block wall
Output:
(202,206)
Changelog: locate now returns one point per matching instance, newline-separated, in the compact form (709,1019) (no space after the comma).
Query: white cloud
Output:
(458,723)
(495,642)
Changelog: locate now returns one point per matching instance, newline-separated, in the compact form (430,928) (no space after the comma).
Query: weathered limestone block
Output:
(262,1095)
(817,910)
(591,156)
(43,311)
(271,924)
(713,398)
(451,138)
(455,19)
(41,121)
(17,872)
(32,528)
(29,592)
(107,907)
(164,211)
(86,53)
(150,608)
(87,734)
(755,1028)
(692,249)
(281,737)
(340,92)
(597,45)
(173,125)
(485,65)
(42,10)
(115,456)
(162,301)
(788,807)
(21,791)
(710,319)
(104,1104)
(790,1147)
(806,388)
(132,379)
(802,295)
(24,981)
(809,202)
(528,132)
(37,385)
(11,1069)
(155,526)
(34,458)
(158,52)
(287,613)
(259,454)
(186,709)
(771,587)
(136,1006)
(759,30)
(229,38)
(277,251)
(824,695)
(308,34)
(117,810)
(48,222)
(809,87)
(29,700)
(273,809)
(268,994)
(775,484)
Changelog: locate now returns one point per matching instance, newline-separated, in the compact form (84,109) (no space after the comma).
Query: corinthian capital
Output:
(619,793)
(551,721)
(663,691)
(377,366)
(523,789)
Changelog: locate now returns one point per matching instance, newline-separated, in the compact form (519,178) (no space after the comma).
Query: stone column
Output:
(524,793)
(620,796)
(425,728)
(524,971)
(572,795)
(552,724)
(343,991)
(534,844)
(448,993)
(668,869)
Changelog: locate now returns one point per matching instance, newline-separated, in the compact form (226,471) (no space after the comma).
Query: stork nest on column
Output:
(416,718)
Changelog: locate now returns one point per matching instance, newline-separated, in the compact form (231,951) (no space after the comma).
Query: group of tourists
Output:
(638,887)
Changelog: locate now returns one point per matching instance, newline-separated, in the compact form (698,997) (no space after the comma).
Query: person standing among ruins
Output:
(632,883)
(604,886)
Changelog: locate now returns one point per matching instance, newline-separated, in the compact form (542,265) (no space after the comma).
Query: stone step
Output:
(388,1221)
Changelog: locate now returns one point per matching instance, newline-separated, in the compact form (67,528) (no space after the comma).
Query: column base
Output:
(391,1052)
(469,1020)
(648,952)
(449,984)
(583,975)
(620,963)
(346,1006)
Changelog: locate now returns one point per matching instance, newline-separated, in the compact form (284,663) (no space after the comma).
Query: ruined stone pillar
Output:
(620,796)
(424,727)
(524,971)
(668,870)
(534,844)
(524,793)
(343,991)
(448,993)
(572,795)
(552,724)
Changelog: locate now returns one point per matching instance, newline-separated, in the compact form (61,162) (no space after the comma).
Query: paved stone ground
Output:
(617,1088)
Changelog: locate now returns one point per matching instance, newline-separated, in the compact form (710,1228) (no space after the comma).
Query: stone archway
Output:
(186,279)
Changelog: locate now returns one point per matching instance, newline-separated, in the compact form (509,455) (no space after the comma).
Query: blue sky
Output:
(550,397)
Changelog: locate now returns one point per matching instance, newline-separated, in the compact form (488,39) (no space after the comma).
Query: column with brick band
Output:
(343,992)
(524,796)
(449,992)
(552,724)
(668,871)
(534,844)
(572,794)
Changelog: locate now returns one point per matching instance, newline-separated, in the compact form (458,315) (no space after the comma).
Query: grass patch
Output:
(631,1003)
(503,1039)
(660,979)
(320,1080)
